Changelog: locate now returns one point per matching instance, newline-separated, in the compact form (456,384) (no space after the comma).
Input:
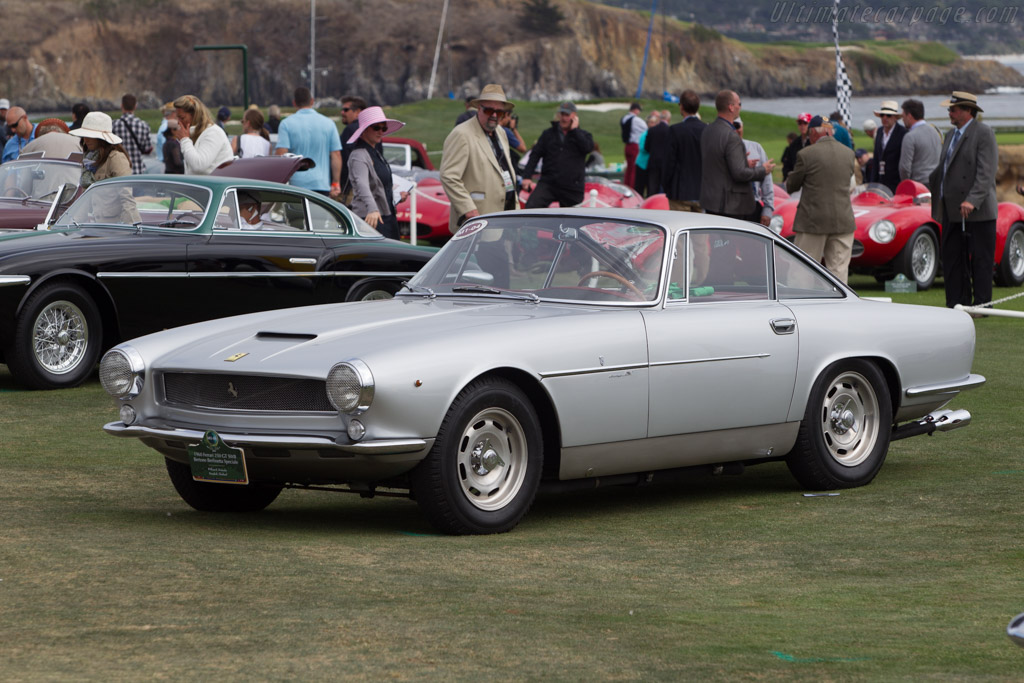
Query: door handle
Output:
(783,325)
(302,261)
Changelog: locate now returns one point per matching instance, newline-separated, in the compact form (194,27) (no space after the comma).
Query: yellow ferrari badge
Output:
(232,359)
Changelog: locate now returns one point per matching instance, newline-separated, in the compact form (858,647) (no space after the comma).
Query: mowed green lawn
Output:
(106,574)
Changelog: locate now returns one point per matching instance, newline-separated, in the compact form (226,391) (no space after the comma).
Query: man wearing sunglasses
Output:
(476,169)
(21,133)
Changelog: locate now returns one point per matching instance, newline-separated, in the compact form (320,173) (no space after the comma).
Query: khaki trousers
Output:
(832,250)
(685,205)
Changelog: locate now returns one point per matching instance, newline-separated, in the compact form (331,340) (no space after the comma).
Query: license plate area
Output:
(214,461)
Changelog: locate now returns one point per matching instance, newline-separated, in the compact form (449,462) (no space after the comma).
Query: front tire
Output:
(1010,272)
(207,497)
(483,472)
(57,338)
(372,291)
(844,436)
(919,259)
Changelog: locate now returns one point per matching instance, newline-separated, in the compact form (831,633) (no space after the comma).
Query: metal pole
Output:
(245,65)
(312,48)
(412,215)
(437,49)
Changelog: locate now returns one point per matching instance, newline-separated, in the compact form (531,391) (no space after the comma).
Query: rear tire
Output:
(483,472)
(844,436)
(919,259)
(208,497)
(57,338)
(1010,272)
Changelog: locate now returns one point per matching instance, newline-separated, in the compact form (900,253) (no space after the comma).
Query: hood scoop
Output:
(285,336)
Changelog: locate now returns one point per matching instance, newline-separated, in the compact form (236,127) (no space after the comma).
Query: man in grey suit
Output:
(921,145)
(963,189)
(725,174)
(824,223)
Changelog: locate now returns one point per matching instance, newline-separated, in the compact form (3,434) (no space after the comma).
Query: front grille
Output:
(245,392)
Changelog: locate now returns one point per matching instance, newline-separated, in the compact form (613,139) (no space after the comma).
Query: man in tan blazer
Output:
(476,170)
(824,223)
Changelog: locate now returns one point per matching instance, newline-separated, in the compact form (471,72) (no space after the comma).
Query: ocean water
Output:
(1004,107)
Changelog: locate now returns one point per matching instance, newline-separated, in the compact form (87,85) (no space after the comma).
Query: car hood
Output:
(313,338)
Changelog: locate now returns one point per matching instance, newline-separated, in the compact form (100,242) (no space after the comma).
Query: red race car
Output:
(432,205)
(896,234)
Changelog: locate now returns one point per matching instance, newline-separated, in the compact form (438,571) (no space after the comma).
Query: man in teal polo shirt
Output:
(311,134)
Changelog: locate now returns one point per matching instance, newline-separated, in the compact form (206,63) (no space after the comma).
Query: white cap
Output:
(869,124)
(5,103)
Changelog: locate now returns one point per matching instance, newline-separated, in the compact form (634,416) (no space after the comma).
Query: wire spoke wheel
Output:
(923,258)
(60,337)
(492,459)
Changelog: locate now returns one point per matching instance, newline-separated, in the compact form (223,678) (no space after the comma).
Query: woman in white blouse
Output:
(254,140)
(204,145)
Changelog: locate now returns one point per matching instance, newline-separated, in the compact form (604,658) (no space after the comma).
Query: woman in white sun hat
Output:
(104,159)
(370,174)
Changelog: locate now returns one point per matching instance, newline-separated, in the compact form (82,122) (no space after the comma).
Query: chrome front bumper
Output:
(382,447)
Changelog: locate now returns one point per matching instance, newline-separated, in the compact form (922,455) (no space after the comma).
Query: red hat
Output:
(55,122)
(804,118)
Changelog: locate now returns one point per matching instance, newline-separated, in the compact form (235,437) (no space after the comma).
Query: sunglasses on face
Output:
(492,111)
(380,127)
(346,109)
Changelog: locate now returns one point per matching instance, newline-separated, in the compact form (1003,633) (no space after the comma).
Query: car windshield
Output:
(875,188)
(139,202)
(38,180)
(548,257)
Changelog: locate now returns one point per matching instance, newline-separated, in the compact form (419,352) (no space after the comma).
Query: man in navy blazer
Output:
(682,167)
(725,187)
(963,189)
(888,145)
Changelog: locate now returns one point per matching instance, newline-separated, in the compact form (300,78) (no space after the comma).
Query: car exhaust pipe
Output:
(938,421)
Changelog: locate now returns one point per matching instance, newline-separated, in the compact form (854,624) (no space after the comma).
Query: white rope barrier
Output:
(986,309)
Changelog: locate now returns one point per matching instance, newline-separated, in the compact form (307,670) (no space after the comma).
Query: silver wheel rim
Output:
(492,459)
(922,258)
(377,294)
(1015,253)
(849,419)
(60,337)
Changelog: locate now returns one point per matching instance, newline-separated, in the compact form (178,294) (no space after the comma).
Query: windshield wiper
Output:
(416,289)
(482,289)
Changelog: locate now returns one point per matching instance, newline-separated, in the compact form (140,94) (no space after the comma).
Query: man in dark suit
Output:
(726,176)
(682,167)
(656,144)
(963,189)
(888,144)
(824,223)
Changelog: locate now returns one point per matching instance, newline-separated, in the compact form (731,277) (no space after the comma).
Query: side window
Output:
(323,219)
(677,272)
(797,280)
(227,214)
(285,213)
(728,266)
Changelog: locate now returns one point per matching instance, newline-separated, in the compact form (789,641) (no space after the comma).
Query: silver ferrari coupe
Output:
(548,349)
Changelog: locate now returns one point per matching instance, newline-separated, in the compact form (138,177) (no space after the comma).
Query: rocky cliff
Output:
(95,50)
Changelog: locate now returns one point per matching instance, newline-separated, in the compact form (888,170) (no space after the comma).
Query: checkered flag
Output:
(842,80)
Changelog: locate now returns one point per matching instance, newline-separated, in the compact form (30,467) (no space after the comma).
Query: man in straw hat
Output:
(963,189)
(888,144)
(476,169)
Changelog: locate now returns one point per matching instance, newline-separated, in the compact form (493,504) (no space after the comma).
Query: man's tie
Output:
(949,156)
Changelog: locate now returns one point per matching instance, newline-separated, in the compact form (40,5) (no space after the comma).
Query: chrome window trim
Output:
(177,275)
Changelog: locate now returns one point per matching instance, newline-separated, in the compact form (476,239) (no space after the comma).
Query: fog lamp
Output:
(127,414)
(356,430)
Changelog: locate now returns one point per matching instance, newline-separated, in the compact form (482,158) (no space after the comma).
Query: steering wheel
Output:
(618,278)
(14,188)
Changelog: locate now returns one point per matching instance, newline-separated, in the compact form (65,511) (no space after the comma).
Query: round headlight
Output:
(882,231)
(775,224)
(122,371)
(350,386)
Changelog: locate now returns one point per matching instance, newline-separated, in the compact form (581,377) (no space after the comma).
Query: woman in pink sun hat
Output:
(370,174)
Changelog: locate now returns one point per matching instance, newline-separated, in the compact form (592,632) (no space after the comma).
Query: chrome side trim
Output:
(972,381)
(644,366)
(177,275)
(305,261)
(709,360)
(384,447)
(9,280)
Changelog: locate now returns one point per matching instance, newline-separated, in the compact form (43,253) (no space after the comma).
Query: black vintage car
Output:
(144,253)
